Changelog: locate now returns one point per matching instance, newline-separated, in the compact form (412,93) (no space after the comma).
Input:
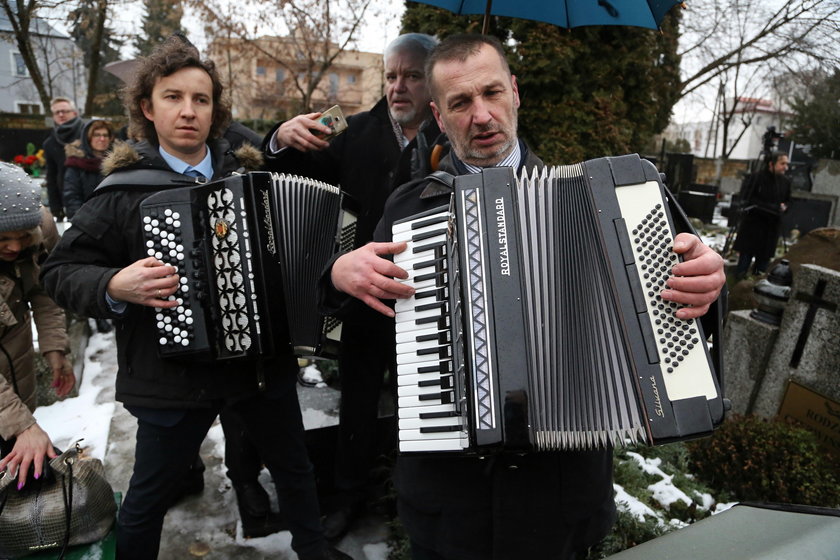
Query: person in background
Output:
(765,197)
(83,166)
(381,149)
(67,128)
(27,232)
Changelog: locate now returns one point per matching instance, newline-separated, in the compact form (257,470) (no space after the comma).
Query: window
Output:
(29,108)
(351,79)
(260,70)
(333,84)
(279,75)
(19,65)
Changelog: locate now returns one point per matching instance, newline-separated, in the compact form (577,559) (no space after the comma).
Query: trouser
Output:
(364,359)
(242,459)
(165,451)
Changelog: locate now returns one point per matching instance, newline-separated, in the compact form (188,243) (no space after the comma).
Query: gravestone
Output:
(747,344)
(761,359)
(807,348)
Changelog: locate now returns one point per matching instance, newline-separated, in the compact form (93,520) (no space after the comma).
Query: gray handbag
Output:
(70,504)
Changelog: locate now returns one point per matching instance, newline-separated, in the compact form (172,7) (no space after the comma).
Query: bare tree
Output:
(316,33)
(738,49)
(22,15)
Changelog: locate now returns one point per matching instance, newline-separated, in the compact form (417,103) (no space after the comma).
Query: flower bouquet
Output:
(33,162)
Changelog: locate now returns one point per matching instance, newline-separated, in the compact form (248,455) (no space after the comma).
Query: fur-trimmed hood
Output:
(126,155)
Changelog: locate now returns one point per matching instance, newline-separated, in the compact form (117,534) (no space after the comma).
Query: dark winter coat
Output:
(21,299)
(82,172)
(106,237)
(368,164)
(54,155)
(365,161)
(761,214)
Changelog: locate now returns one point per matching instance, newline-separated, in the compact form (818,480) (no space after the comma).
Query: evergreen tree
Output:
(817,120)
(84,21)
(162,19)
(586,92)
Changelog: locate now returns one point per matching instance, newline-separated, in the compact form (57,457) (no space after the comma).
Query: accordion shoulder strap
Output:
(143,179)
(439,183)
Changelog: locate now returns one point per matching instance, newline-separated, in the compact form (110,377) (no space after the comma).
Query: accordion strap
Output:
(145,179)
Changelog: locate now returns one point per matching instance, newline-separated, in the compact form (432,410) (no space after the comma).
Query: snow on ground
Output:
(204,526)
(89,415)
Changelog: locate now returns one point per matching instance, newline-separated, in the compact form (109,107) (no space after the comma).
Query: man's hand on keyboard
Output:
(365,275)
(697,280)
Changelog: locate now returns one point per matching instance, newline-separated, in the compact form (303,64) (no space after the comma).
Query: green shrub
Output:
(760,460)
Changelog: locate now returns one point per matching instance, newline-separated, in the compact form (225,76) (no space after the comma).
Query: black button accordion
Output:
(537,322)
(245,247)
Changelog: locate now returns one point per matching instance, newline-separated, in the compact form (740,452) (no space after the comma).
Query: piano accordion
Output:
(248,249)
(537,322)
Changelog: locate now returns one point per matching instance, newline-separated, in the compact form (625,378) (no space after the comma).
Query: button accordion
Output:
(537,322)
(249,250)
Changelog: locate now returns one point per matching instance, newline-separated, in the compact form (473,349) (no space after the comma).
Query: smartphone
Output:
(333,118)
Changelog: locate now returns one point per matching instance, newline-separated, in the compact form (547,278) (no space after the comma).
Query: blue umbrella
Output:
(566,13)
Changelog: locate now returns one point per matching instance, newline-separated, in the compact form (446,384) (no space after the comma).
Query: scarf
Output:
(68,131)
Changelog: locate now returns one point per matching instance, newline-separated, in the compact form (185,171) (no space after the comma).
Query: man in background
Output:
(381,149)
(765,197)
(67,128)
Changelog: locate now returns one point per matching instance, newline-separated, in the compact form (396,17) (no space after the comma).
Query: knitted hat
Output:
(20,199)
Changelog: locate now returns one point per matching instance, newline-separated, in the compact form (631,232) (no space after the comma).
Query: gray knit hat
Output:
(20,199)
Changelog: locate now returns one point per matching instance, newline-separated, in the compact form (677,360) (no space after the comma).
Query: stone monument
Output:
(761,359)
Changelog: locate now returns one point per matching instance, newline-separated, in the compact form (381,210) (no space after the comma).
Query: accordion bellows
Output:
(556,336)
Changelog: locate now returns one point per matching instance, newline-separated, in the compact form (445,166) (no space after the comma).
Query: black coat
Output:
(761,214)
(365,161)
(539,505)
(54,156)
(105,237)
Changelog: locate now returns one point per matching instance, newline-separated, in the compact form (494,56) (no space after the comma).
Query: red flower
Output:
(18,160)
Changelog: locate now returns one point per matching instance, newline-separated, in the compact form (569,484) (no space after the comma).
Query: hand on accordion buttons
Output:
(146,282)
(698,280)
(365,275)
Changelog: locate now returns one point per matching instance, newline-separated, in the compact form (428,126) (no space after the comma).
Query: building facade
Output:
(60,61)
(267,78)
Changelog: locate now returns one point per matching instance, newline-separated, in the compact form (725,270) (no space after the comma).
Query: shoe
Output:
(326,554)
(255,511)
(254,527)
(337,523)
(252,499)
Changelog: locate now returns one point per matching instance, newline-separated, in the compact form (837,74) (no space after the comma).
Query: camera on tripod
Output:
(770,138)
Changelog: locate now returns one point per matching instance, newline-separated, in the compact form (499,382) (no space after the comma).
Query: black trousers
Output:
(365,358)
(167,445)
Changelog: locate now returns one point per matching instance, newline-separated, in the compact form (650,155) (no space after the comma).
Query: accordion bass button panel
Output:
(169,241)
(429,417)
(679,343)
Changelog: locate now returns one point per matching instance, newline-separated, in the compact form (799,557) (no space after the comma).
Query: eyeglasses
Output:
(63,111)
(101,135)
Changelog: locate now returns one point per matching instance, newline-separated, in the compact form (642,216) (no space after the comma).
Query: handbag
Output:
(70,504)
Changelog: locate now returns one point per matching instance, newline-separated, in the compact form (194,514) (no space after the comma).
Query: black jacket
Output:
(365,161)
(538,505)
(54,155)
(105,237)
(761,215)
